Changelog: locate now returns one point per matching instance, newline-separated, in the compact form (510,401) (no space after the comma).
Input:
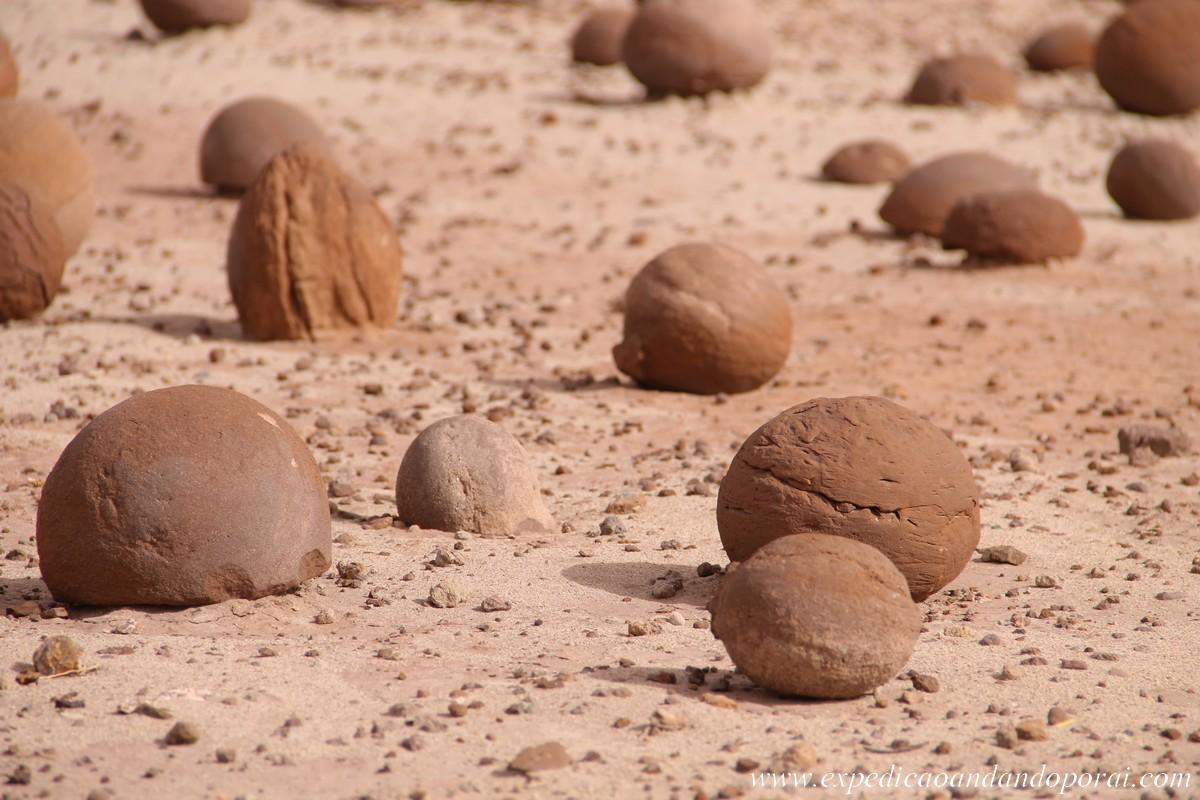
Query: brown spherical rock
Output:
(868,161)
(10,76)
(921,200)
(816,616)
(706,319)
(177,16)
(693,47)
(1155,179)
(32,255)
(1019,225)
(182,496)
(860,467)
(311,252)
(1063,47)
(244,136)
(962,79)
(466,473)
(598,38)
(40,153)
(1148,58)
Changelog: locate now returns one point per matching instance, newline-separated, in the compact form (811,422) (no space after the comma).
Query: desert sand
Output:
(527,193)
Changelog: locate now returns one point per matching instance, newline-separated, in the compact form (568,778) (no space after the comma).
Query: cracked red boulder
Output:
(816,616)
(32,255)
(860,467)
(182,496)
(706,319)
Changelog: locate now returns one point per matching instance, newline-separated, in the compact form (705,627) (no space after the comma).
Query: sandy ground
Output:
(527,194)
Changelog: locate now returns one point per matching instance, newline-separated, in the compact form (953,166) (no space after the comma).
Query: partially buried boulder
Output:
(244,136)
(693,47)
(311,252)
(466,473)
(1067,46)
(32,255)
(1020,226)
(182,496)
(921,200)
(865,162)
(177,16)
(962,79)
(598,38)
(1155,179)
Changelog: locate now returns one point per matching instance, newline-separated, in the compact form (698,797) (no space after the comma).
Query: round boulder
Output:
(860,467)
(868,161)
(1021,226)
(177,16)
(816,616)
(1147,58)
(32,255)
(706,319)
(180,497)
(598,38)
(921,200)
(311,252)
(1155,179)
(244,136)
(40,153)
(693,47)
(465,473)
(10,76)
(1063,47)
(962,79)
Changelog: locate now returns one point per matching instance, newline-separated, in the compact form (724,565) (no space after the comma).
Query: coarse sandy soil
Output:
(527,193)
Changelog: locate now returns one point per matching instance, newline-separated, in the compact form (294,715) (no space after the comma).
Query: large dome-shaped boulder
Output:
(860,467)
(693,47)
(32,255)
(311,252)
(865,162)
(1021,226)
(1148,58)
(466,473)
(244,136)
(182,496)
(1155,179)
(962,79)
(41,153)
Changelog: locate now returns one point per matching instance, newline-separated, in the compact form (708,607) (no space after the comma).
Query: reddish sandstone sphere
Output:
(816,616)
(1148,58)
(32,255)
(177,16)
(10,76)
(244,136)
(868,161)
(860,467)
(598,38)
(921,200)
(1063,47)
(962,79)
(1021,226)
(1155,179)
(179,497)
(706,319)
(693,47)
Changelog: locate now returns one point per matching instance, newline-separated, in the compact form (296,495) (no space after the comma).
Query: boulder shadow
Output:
(182,193)
(180,326)
(634,579)
(722,682)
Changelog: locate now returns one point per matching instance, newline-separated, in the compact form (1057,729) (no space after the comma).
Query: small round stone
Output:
(182,496)
(706,319)
(41,153)
(868,161)
(466,473)
(860,467)
(598,38)
(1021,226)
(921,200)
(694,47)
(32,255)
(1067,46)
(56,655)
(311,252)
(1155,179)
(816,616)
(962,79)
(177,16)
(1146,59)
(10,75)
(244,136)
